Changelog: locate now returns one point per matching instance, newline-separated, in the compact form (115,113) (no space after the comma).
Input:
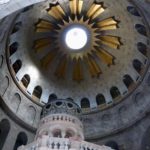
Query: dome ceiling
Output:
(97,36)
(96,71)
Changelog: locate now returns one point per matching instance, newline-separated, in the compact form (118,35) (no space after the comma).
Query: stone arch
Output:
(114,92)
(138,66)
(17,66)
(17,27)
(100,99)
(52,97)
(141,29)
(128,81)
(37,92)
(13,48)
(22,139)
(142,48)
(31,111)
(25,80)
(4,130)
(4,84)
(114,145)
(133,11)
(85,103)
(16,100)
(57,133)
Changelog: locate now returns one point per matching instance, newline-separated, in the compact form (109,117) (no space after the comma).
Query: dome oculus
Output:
(76,38)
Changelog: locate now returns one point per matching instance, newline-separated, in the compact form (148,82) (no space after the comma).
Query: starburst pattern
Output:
(97,35)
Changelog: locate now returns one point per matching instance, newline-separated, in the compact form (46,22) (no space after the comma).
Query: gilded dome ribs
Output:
(56,12)
(77,70)
(107,24)
(93,51)
(76,6)
(44,26)
(110,41)
(61,67)
(95,10)
(105,56)
(40,44)
(93,67)
(47,60)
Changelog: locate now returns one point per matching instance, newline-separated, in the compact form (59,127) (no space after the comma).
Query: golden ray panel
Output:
(92,54)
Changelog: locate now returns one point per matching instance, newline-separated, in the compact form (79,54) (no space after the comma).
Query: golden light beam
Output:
(56,12)
(47,60)
(105,56)
(41,43)
(95,10)
(61,68)
(76,6)
(94,68)
(77,70)
(107,24)
(111,41)
(44,26)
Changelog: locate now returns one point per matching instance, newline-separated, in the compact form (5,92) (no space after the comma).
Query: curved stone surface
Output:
(9,6)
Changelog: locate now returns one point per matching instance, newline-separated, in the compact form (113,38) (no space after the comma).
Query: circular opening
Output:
(76,38)
(70,105)
(48,106)
(58,103)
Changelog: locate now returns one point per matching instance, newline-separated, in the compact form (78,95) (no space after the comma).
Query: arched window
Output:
(13,48)
(141,29)
(133,11)
(17,27)
(57,133)
(21,140)
(25,80)
(52,97)
(17,66)
(113,145)
(137,65)
(85,103)
(37,92)
(128,81)
(142,48)
(114,91)
(4,130)
(69,134)
(100,99)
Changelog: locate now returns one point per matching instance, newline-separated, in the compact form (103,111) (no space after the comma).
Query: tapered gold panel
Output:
(105,56)
(47,60)
(94,68)
(44,26)
(107,24)
(61,68)
(110,41)
(40,44)
(77,70)
(76,6)
(95,11)
(56,12)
